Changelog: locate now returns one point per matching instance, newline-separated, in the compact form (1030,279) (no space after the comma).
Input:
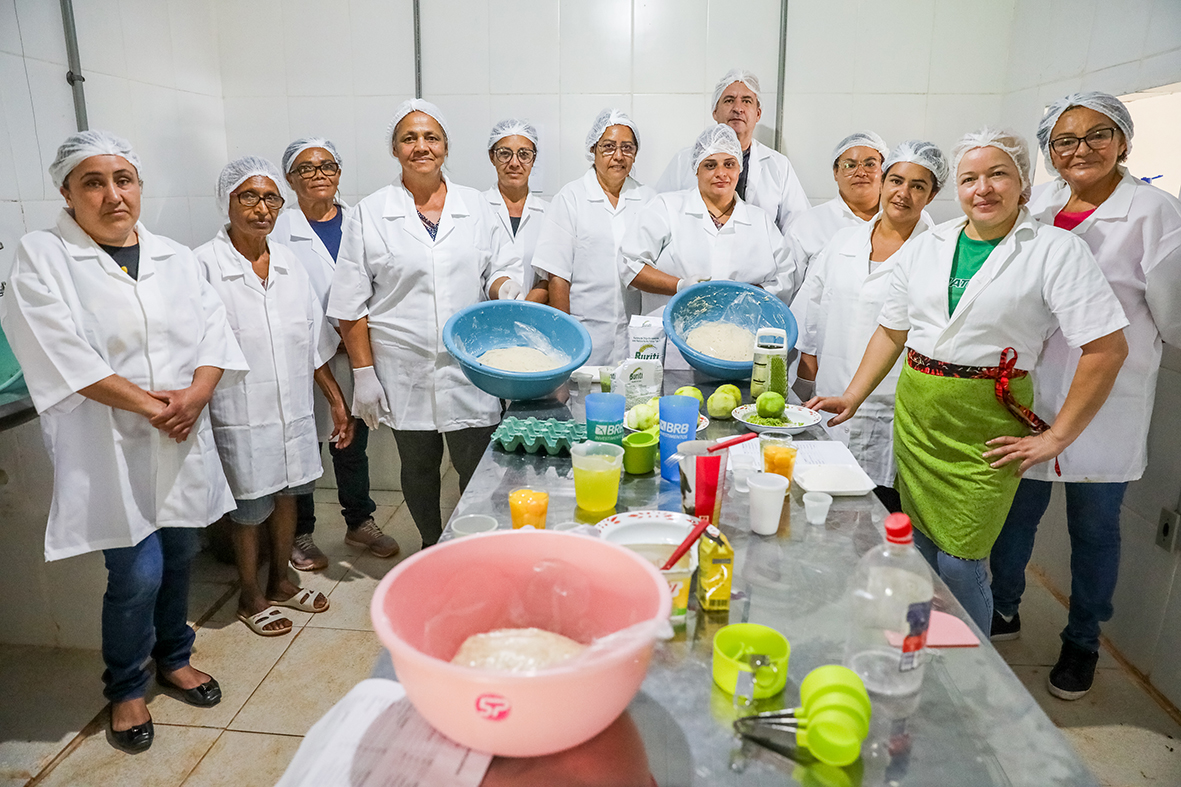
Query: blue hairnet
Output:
(415,105)
(302,144)
(866,139)
(925,154)
(716,139)
(735,75)
(1103,103)
(1010,142)
(605,120)
(238,172)
(81,146)
(512,127)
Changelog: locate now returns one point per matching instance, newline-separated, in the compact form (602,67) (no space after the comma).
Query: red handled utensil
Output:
(718,446)
(698,529)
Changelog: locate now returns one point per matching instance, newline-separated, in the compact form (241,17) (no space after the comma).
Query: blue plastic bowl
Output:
(490,325)
(742,304)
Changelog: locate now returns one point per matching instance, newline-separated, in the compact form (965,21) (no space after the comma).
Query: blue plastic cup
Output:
(678,423)
(604,417)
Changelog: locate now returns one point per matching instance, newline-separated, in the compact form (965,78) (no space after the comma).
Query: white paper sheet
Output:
(808,452)
(373,737)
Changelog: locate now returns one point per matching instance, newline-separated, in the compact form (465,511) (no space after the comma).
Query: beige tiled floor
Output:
(275,688)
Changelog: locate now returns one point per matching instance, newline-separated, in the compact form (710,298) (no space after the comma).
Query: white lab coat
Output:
(1037,280)
(525,238)
(264,424)
(1135,236)
(675,234)
(408,285)
(580,243)
(292,229)
(772,183)
(846,291)
(73,318)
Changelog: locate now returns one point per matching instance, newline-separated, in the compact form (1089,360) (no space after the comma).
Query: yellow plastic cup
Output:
(528,507)
(733,647)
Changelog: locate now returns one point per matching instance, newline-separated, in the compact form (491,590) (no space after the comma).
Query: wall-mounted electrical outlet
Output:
(1168,529)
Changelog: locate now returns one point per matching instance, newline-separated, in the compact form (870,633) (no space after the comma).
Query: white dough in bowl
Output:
(723,340)
(519,359)
(516,650)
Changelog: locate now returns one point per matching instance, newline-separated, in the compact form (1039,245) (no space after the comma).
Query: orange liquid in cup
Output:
(779,459)
(528,507)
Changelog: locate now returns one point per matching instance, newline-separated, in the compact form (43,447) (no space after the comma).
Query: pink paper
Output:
(945,631)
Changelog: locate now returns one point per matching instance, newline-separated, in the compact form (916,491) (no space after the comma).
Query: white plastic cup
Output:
(470,524)
(742,466)
(816,507)
(767,492)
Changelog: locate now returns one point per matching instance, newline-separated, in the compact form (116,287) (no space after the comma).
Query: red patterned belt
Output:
(1002,374)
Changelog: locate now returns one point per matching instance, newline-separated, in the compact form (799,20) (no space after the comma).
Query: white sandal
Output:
(304,601)
(260,620)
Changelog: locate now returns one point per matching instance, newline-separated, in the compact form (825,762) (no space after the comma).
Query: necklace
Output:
(717,217)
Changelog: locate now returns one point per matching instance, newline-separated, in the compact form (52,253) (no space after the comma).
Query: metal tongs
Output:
(777,731)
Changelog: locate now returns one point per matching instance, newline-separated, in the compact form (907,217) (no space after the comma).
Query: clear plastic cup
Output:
(816,505)
(767,493)
(779,455)
(742,466)
(528,507)
(470,524)
(597,467)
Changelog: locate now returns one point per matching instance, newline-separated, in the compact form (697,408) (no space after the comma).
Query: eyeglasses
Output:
(308,171)
(248,199)
(848,165)
(1096,140)
(505,155)
(628,149)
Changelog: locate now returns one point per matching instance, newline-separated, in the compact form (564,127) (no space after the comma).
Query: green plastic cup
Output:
(733,647)
(639,453)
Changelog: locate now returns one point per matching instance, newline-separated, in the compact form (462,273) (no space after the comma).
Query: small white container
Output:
(470,524)
(816,506)
(767,493)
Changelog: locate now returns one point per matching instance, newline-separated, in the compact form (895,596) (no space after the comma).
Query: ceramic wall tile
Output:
(194,46)
(41,30)
(668,123)
(949,117)
(256,126)
(53,113)
(10,37)
(455,48)
(745,34)
(596,47)
(469,120)
(247,39)
(669,46)
(822,43)
(317,47)
(102,38)
(1146,573)
(1164,27)
(896,58)
(524,51)
(383,47)
(961,30)
(147,41)
(813,124)
(1118,33)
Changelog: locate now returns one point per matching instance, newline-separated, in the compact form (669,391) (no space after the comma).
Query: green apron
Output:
(947,487)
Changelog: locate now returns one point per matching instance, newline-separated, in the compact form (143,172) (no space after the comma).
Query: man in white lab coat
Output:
(768,180)
(122,344)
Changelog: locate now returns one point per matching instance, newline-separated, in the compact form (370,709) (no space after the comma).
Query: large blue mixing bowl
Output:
(490,325)
(742,304)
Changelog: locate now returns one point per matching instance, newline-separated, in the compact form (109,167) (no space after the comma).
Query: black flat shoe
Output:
(206,695)
(133,741)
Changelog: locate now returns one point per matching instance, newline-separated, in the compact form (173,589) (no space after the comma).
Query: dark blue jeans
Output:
(145,610)
(351,466)
(1092,519)
(966,579)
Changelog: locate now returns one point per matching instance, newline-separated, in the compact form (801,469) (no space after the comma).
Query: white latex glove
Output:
(690,281)
(369,402)
(510,291)
(805,389)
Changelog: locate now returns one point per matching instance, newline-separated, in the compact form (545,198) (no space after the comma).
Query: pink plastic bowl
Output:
(429,604)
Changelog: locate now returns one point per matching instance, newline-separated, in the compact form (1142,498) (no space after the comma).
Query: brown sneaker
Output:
(306,556)
(369,535)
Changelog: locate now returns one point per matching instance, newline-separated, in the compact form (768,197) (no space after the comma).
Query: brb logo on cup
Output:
(492,707)
(671,429)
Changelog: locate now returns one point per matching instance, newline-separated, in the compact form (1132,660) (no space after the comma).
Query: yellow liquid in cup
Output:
(596,484)
(528,507)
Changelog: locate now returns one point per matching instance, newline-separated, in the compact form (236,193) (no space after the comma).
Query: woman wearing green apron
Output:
(972,302)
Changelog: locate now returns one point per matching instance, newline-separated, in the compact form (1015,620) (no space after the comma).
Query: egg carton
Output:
(534,435)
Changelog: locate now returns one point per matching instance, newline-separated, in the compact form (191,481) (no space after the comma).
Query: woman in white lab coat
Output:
(847,285)
(512,149)
(707,232)
(122,344)
(577,254)
(413,254)
(969,300)
(265,425)
(1134,231)
(312,229)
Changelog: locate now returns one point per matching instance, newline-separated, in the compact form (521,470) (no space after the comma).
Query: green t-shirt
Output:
(969,258)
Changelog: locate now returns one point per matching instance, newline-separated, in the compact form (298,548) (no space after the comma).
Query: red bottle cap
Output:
(898,529)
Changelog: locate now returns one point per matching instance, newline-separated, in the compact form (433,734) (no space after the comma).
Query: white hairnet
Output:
(81,146)
(925,154)
(866,139)
(415,105)
(511,127)
(238,172)
(302,144)
(716,139)
(605,120)
(1010,142)
(735,75)
(1104,103)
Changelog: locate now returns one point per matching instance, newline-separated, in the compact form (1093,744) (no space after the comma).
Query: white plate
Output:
(801,418)
(649,527)
(836,480)
(702,422)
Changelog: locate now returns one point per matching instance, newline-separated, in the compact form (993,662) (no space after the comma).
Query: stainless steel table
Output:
(973,722)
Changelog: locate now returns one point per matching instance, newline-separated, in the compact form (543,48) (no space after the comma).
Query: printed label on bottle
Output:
(918,618)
